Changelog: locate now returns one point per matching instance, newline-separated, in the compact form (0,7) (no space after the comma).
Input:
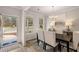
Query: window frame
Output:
(29,28)
(41,23)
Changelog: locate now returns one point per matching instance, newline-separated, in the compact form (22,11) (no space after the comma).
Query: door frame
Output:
(17,17)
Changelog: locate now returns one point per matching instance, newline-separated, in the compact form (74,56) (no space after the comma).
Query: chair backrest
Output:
(59,31)
(50,38)
(41,35)
(75,40)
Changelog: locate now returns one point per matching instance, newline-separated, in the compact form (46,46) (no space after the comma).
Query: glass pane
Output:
(0,21)
(9,21)
(41,23)
(1,31)
(29,24)
(9,27)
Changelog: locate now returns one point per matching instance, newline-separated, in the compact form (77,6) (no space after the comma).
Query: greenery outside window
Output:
(9,21)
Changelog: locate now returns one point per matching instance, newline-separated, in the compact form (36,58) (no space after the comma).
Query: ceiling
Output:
(46,10)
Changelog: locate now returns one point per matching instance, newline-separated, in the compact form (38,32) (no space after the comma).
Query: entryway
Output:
(8,30)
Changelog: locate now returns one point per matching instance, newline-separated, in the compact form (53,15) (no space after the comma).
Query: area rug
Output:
(6,43)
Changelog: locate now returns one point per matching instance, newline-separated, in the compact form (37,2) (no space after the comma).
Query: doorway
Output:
(8,30)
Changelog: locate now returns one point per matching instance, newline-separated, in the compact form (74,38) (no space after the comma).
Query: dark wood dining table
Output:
(61,38)
(65,39)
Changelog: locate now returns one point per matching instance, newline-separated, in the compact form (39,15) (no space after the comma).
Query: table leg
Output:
(59,47)
(67,46)
(44,46)
(37,39)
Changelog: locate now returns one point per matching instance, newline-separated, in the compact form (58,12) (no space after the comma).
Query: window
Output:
(9,27)
(29,24)
(9,21)
(50,23)
(0,21)
(41,23)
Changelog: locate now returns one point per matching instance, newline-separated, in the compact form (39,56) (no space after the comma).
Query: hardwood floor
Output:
(31,46)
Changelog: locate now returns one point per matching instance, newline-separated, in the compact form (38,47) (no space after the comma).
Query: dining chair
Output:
(67,40)
(59,31)
(40,37)
(73,45)
(75,40)
(50,39)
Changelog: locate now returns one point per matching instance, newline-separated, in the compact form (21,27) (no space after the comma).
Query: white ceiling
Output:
(20,7)
(44,9)
(47,10)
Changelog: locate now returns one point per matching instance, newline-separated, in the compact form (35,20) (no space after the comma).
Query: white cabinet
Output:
(30,36)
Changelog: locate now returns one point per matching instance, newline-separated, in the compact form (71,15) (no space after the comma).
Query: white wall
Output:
(72,15)
(5,10)
(35,17)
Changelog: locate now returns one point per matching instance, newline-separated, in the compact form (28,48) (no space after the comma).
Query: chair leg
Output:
(37,39)
(54,49)
(75,50)
(38,42)
(59,47)
(44,46)
(67,46)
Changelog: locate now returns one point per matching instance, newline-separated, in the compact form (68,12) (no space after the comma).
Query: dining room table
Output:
(66,37)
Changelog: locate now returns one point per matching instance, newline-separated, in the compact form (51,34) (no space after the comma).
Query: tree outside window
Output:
(9,21)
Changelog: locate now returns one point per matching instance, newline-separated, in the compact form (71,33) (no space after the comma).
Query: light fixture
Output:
(68,24)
